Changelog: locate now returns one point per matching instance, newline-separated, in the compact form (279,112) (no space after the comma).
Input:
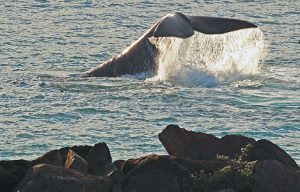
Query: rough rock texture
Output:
(200,165)
(272,176)
(58,157)
(50,178)
(81,150)
(11,172)
(193,165)
(52,157)
(76,162)
(154,173)
(187,164)
(133,163)
(99,159)
(237,175)
(200,146)
(226,190)
(119,164)
(113,173)
(7,180)
(264,149)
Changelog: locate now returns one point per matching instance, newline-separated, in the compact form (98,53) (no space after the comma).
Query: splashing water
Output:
(209,60)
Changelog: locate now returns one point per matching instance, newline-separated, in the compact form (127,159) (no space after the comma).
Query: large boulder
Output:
(264,149)
(236,175)
(272,176)
(188,164)
(81,150)
(58,157)
(207,166)
(153,173)
(114,170)
(99,159)
(7,180)
(133,163)
(226,190)
(53,157)
(119,164)
(200,146)
(114,173)
(50,178)
(11,172)
(76,162)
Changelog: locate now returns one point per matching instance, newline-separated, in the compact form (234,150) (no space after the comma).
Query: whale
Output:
(140,56)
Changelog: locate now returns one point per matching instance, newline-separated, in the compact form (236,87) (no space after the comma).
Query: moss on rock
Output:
(237,175)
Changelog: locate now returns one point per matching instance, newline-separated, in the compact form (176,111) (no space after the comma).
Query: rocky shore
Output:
(197,162)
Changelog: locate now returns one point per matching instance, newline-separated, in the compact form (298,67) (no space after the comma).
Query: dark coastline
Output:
(195,162)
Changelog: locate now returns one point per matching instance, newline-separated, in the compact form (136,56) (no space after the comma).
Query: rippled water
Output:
(43,105)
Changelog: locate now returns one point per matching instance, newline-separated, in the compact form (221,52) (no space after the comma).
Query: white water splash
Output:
(209,59)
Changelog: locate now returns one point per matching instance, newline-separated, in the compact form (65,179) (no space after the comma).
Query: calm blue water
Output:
(44,107)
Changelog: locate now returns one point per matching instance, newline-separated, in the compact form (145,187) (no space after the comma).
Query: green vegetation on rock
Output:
(237,175)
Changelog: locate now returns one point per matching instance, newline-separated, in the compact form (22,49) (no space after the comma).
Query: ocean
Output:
(244,82)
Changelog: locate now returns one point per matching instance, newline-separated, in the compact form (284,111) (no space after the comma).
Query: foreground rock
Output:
(58,157)
(235,176)
(11,172)
(154,173)
(272,176)
(264,150)
(99,159)
(200,146)
(197,162)
(50,178)
(259,166)
(76,162)
(188,164)
(265,176)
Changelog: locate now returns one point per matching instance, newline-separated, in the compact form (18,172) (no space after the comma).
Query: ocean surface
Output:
(245,82)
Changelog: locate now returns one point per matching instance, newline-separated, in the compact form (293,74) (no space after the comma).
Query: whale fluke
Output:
(214,25)
(174,25)
(141,55)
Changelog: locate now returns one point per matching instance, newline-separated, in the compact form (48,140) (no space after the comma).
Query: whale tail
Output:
(213,25)
(141,55)
(182,26)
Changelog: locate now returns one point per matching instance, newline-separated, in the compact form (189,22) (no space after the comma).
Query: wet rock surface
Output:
(196,162)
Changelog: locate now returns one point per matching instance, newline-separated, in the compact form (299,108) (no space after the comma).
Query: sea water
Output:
(245,82)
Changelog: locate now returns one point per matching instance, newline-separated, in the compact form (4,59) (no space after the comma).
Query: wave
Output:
(209,60)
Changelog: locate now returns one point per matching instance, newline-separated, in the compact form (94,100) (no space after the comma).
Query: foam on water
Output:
(209,59)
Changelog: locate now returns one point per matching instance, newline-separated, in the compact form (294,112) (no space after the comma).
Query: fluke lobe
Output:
(140,56)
